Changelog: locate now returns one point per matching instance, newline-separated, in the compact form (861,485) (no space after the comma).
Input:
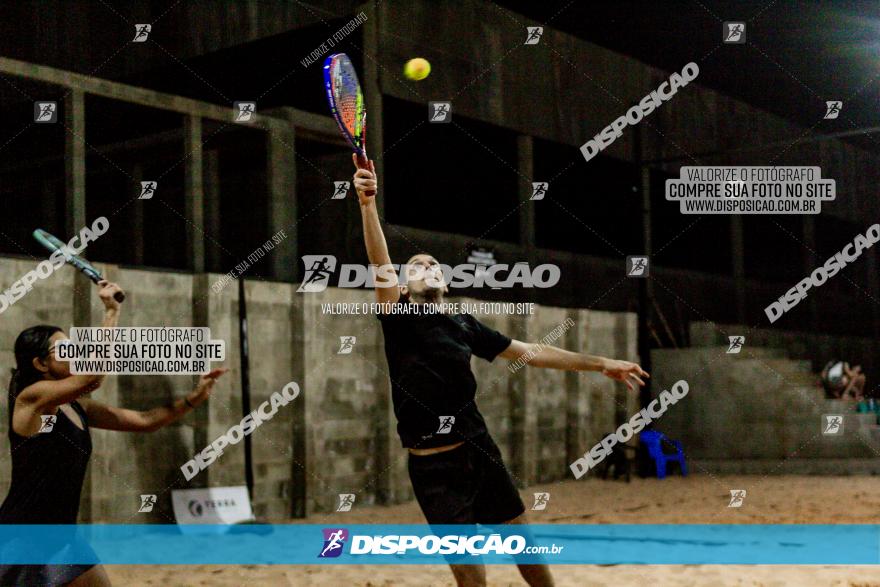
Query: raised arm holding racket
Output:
(57,248)
(456,469)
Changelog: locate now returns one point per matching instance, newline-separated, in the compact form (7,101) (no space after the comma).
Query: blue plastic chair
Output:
(654,441)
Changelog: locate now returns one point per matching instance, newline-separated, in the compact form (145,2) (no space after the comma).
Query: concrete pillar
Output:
(302,485)
(646,292)
(193,196)
(810,262)
(211,194)
(874,289)
(283,203)
(75,218)
(202,298)
(137,230)
(525,147)
(48,205)
(737,245)
(523,415)
(387,443)
(575,417)
(75,161)
(75,196)
(372,29)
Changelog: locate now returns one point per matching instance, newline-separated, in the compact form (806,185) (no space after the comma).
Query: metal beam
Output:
(85,84)
(757,148)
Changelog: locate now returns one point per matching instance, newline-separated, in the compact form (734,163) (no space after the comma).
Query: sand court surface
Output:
(698,499)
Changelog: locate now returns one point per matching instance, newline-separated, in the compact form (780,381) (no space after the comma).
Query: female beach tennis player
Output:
(49,422)
(456,469)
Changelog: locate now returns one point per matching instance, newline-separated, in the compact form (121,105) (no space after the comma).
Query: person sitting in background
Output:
(842,381)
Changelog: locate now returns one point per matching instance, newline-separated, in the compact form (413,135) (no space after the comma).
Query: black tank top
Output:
(48,469)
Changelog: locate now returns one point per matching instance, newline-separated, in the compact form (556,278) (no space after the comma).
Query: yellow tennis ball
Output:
(417,69)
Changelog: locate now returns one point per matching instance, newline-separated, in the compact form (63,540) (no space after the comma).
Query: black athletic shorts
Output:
(466,485)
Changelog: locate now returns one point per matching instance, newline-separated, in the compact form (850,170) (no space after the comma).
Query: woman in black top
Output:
(457,472)
(49,421)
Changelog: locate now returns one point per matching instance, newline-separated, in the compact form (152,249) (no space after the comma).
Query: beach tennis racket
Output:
(52,244)
(347,104)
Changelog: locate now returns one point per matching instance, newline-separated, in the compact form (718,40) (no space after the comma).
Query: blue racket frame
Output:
(51,244)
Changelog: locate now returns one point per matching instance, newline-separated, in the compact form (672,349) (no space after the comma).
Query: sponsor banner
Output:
(599,544)
(212,505)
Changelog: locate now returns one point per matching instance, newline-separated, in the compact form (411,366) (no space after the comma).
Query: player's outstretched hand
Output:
(624,371)
(206,385)
(365,181)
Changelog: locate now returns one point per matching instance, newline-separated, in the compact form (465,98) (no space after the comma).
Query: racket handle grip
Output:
(364,163)
(96,277)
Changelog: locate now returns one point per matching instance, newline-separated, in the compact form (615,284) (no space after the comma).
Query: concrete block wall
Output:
(125,465)
(758,413)
(272,366)
(339,435)
(548,417)
(815,347)
(347,413)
